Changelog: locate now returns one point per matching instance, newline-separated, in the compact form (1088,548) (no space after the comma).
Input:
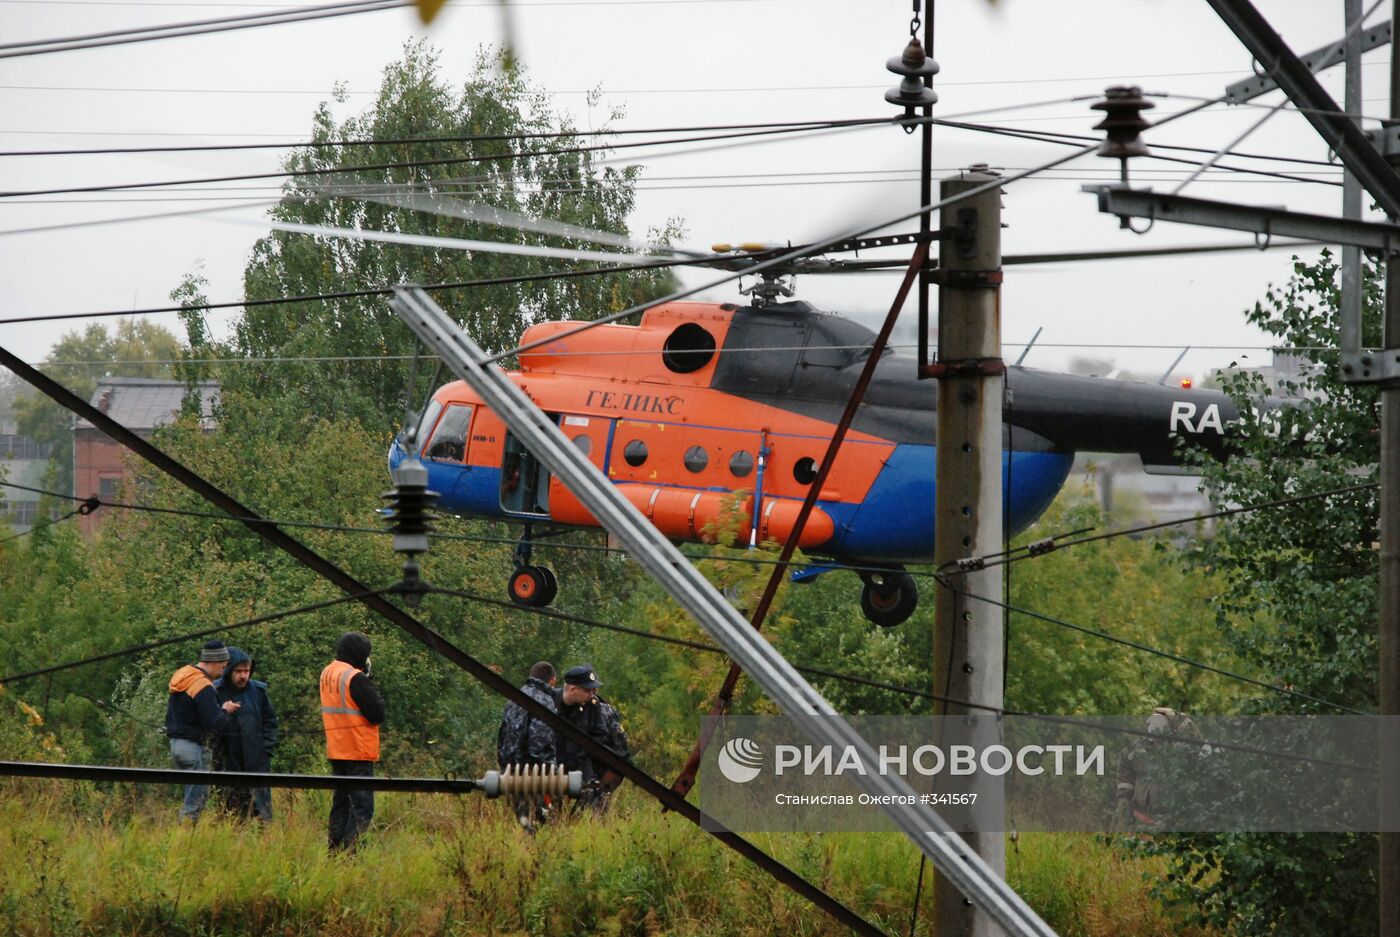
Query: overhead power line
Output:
(1156,652)
(405,141)
(895,688)
(350,294)
(193,28)
(461,160)
(188,636)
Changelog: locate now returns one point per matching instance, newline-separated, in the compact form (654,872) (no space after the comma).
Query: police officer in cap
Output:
(580,705)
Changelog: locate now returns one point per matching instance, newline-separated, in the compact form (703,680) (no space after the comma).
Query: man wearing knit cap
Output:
(192,715)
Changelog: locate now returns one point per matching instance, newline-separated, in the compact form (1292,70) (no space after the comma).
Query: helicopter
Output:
(703,409)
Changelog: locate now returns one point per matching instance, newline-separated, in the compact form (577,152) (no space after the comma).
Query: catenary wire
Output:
(1043,138)
(818,247)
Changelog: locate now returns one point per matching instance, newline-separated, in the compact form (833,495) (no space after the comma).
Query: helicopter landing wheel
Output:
(888,599)
(551,584)
(532,586)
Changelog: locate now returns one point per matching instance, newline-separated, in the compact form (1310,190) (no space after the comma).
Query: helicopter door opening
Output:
(524,480)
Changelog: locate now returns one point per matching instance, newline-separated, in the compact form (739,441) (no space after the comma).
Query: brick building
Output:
(140,404)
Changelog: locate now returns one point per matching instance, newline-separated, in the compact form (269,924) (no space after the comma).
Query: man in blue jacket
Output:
(248,736)
(192,714)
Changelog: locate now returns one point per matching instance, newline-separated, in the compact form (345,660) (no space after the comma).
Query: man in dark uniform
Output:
(580,704)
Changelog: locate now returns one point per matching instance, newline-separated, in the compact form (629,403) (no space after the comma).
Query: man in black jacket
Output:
(248,737)
(192,714)
(580,704)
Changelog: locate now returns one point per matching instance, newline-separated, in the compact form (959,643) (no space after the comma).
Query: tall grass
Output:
(443,866)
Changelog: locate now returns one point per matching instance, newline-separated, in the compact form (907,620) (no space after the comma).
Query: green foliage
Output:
(1140,592)
(549,179)
(1299,604)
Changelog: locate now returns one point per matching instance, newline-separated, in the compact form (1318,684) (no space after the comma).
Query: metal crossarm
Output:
(925,828)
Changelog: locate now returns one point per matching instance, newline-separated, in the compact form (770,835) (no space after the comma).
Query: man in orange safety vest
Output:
(351,712)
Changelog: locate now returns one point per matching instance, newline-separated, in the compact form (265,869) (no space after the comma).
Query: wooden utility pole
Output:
(967,654)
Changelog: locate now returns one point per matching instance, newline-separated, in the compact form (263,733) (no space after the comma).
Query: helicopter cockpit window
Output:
(741,464)
(430,415)
(688,348)
(449,442)
(696,458)
(635,453)
(805,470)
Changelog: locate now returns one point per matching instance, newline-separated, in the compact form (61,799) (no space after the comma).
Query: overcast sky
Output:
(671,62)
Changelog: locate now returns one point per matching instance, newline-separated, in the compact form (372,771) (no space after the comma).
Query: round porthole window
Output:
(635,453)
(583,444)
(688,348)
(741,464)
(696,458)
(805,470)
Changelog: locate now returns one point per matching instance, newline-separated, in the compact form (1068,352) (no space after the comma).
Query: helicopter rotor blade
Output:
(462,244)
(436,204)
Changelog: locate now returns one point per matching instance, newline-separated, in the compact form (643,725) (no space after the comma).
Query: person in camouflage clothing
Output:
(525,740)
(1139,796)
(522,739)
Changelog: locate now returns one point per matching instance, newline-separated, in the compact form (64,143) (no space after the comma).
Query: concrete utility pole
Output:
(1351,190)
(967,654)
(1389,642)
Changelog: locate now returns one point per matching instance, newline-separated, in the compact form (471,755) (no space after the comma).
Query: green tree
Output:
(518,169)
(1299,604)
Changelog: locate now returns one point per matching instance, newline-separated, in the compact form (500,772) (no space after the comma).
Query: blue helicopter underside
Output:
(893,525)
